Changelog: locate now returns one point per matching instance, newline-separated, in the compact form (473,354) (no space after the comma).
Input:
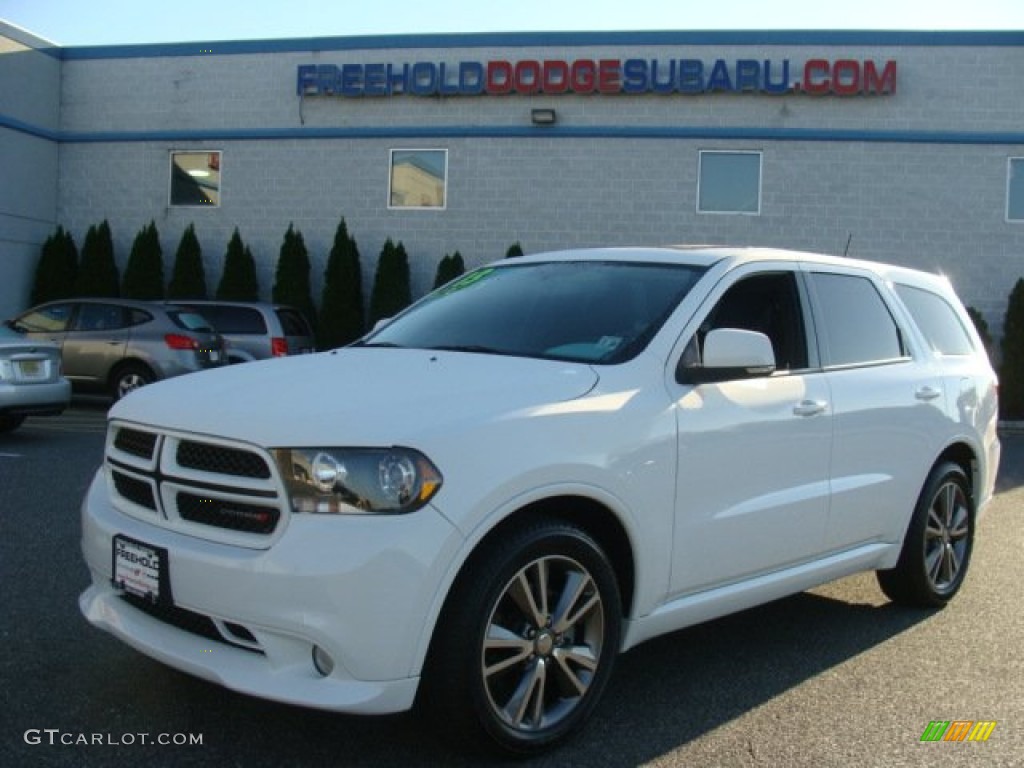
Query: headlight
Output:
(357,481)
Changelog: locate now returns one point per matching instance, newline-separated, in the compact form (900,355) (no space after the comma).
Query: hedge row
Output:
(342,316)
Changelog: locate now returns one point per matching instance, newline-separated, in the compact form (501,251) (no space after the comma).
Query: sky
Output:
(129,22)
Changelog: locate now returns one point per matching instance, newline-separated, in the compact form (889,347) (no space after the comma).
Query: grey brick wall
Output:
(936,202)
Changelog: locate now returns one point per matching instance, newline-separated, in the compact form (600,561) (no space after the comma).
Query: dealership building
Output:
(905,147)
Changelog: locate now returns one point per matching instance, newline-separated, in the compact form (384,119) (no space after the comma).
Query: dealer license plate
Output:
(138,568)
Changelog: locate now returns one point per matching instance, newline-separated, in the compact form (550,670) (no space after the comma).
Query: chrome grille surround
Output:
(208,487)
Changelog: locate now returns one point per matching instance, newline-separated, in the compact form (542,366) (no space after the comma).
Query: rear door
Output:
(95,342)
(887,407)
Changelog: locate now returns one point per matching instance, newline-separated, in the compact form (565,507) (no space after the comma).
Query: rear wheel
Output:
(128,378)
(937,548)
(527,642)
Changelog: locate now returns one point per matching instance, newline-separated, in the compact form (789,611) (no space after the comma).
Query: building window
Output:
(418,178)
(729,182)
(1015,189)
(195,178)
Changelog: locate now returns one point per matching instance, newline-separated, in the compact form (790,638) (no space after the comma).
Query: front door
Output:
(752,489)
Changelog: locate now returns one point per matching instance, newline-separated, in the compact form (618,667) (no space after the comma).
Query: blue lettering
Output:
(719,79)
(634,76)
(352,80)
(375,80)
(748,75)
(398,82)
(782,85)
(471,78)
(691,76)
(327,76)
(306,80)
(424,78)
(665,85)
(445,88)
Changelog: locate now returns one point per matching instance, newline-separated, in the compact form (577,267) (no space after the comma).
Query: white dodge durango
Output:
(551,459)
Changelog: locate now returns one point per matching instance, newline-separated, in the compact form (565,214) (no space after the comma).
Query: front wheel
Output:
(527,641)
(937,549)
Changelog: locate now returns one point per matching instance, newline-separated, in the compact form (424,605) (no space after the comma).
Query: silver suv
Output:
(256,330)
(118,345)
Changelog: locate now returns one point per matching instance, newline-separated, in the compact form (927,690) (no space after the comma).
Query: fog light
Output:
(322,661)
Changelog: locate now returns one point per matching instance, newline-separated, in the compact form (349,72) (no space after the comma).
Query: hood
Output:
(354,396)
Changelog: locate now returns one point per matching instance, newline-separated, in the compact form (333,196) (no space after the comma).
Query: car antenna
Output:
(849,239)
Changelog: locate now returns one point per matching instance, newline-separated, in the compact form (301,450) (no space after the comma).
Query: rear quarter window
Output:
(293,323)
(238,321)
(938,321)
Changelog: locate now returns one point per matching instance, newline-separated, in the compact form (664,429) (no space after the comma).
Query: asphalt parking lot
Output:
(831,677)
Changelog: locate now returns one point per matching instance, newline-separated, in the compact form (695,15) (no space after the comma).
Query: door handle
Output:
(809,408)
(927,393)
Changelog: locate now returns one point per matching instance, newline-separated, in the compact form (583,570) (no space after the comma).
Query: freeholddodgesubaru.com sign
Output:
(499,77)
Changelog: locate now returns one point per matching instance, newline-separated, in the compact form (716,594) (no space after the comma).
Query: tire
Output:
(128,378)
(9,422)
(937,549)
(526,643)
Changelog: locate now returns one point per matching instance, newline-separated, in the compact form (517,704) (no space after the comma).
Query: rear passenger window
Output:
(857,327)
(937,320)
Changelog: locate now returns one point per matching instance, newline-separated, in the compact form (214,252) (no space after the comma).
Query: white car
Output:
(536,467)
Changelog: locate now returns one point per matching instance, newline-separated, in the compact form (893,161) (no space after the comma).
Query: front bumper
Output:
(362,589)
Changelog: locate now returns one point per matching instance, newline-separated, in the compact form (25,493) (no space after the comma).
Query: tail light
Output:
(278,346)
(178,341)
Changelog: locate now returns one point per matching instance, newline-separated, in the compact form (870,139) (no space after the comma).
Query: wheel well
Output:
(587,515)
(963,456)
(128,363)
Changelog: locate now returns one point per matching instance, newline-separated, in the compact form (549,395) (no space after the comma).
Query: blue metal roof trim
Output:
(562,39)
(544,132)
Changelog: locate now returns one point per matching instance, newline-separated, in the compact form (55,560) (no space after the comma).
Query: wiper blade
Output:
(477,348)
(378,344)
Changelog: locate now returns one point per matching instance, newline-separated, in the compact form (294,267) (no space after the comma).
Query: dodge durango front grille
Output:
(204,487)
(136,442)
(135,490)
(226,514)
(221,460)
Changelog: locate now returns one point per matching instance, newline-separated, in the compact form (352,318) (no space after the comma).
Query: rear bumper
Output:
(34,399)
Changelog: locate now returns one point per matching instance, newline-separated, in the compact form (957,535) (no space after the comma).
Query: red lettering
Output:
(608,76)
(582,76)
(884,83)
(555,77)
(499,77)
(811,83)
(846,77)
(527,76)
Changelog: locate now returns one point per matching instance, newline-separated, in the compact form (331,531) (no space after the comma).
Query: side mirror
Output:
(729,354)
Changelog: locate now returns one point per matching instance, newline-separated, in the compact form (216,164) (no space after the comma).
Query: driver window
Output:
(767,303)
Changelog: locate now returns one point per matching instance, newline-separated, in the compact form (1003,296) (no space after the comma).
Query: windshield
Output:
(581,311)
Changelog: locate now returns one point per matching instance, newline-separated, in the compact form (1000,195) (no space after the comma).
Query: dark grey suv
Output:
(256,330)
(117,345)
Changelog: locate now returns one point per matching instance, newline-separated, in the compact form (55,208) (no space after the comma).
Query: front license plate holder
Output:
(140,569)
